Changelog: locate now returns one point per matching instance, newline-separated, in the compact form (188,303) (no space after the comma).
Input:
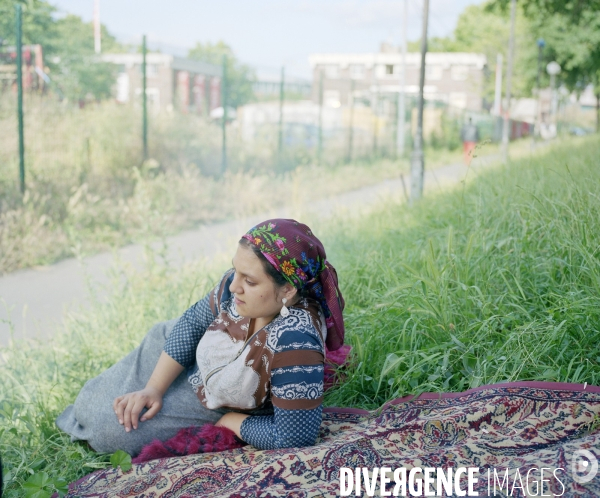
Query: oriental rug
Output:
(506,430)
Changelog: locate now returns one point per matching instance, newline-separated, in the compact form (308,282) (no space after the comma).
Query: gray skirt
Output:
(92,418)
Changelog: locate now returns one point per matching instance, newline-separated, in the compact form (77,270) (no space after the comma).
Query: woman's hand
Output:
(129,406)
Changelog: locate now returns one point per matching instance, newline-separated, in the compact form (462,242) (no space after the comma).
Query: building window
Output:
(389,69)
(151,70)
(331,98)
(458,100)
(459,73)
(123,87)
(433,73)
(332,71)
(357,71)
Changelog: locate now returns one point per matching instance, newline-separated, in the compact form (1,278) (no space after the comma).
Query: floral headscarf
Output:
(300,258)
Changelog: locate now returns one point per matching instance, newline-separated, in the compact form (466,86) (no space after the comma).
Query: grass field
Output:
(497,280)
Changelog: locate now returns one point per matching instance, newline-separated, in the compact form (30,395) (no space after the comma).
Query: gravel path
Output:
(34,301)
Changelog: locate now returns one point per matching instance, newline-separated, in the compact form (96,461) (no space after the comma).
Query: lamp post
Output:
(553,68)
(541,43)
(509,69)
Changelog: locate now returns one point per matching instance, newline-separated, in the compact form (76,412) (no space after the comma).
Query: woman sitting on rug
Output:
(254,348)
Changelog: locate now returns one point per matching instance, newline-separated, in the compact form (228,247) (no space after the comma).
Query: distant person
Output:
(470,136)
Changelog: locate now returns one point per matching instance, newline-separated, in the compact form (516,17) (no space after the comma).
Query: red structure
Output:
(199,92)
(174,83)
(215,93)
(33,67)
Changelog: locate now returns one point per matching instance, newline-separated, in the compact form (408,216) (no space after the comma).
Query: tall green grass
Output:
(495,281)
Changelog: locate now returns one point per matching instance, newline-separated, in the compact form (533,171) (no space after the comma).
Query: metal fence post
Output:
(396,136)
(20,99)
(224,123)
(320,136)
(374,107)
(351,124)
(281,97)
(144,100)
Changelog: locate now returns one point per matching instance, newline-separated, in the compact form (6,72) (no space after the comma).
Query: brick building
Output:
(172,82)
(33,69)
(455,79)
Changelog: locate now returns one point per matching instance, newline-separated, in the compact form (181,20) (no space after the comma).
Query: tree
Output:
(240,77)
(573,10)
(571,29)
(37,22)
(74,65)
(485,29)
(68,47)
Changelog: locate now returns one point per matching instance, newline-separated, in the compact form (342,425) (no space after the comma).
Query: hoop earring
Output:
(284,311)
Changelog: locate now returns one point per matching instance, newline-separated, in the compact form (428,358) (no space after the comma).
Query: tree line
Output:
(570,30)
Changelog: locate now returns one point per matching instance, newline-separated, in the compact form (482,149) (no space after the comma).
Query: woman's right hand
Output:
(129,406)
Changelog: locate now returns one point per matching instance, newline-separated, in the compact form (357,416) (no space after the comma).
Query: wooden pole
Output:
(509,67)
(417,163)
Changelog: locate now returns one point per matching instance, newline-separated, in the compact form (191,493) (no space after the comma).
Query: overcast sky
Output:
(269,33)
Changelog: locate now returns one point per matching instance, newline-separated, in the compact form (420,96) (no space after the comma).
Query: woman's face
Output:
(255,293)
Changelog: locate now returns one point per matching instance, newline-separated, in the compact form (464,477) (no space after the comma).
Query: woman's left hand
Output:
(129,406)
(233,421)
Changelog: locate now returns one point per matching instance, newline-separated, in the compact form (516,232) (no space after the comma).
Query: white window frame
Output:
(332,71)
(459,72)
(433,73)
(357,71)
(458,100)
(331,98)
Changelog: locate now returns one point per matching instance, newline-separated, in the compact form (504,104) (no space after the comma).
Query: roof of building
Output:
(176,63)
(412,58)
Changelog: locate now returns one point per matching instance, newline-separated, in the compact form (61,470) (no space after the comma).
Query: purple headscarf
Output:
(300,258)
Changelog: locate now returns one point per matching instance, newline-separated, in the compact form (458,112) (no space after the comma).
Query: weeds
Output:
(88,188)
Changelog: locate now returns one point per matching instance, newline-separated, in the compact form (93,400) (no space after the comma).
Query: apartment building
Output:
(456,79)
(172,82)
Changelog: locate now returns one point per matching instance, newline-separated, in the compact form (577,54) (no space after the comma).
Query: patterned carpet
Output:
(520,426)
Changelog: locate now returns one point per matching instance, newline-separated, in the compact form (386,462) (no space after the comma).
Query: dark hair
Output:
(278,278)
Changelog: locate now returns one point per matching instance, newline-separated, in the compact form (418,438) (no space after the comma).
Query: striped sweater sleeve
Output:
(186,334)
(296,393)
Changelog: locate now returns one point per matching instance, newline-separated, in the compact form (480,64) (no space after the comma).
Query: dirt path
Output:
(33,301)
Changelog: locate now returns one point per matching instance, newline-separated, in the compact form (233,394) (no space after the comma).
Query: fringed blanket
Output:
(506,430)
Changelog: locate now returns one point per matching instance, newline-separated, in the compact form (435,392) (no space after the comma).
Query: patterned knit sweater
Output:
(278,370)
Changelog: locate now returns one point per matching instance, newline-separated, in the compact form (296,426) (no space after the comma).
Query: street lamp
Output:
(541,43)
(553,68)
